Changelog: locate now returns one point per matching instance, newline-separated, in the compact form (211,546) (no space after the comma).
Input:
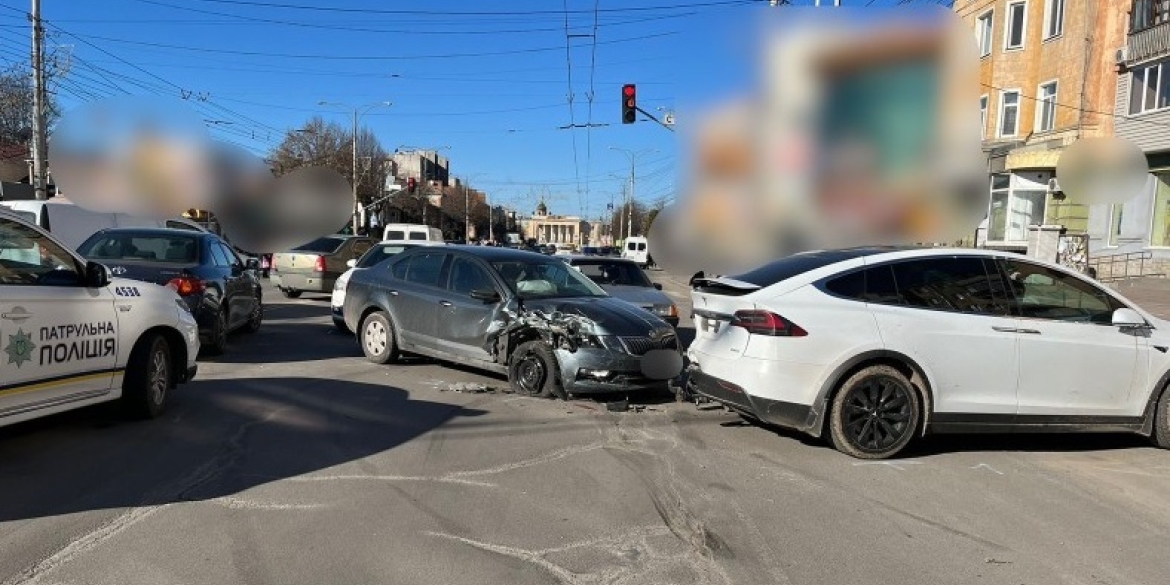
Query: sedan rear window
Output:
(141,247)
(326,245)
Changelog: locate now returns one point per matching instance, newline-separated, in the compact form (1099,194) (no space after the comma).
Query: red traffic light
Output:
(629,103)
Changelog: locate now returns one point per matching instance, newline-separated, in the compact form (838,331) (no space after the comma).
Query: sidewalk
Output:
(1152,294)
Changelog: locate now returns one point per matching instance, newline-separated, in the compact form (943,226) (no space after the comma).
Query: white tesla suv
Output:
(872,347)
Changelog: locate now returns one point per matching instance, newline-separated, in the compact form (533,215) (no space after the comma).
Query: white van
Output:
(637,249)
(72,224)
(415,232)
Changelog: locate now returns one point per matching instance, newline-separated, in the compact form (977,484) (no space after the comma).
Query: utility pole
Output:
(633,178)
(40,135)
(491,221)
(355,173)
(466,214)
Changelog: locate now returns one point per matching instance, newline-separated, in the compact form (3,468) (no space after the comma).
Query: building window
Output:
(1147,90)
(1148,14)
(1017,20)
(1009,113)
(1053,18)
(1046,110)
(1114,224)
(983,33)
(997,215)
(983,116)
(1160,230)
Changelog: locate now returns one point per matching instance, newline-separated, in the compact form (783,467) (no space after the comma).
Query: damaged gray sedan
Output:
(546,326)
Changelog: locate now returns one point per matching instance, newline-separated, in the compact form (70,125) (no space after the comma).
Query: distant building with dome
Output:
(546,228)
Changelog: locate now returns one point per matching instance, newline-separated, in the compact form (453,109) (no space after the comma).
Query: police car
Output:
(72,336)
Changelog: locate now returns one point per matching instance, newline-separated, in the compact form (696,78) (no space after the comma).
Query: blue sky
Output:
(488,79)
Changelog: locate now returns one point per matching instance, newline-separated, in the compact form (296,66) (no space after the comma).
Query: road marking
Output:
(986,466)
(895,464)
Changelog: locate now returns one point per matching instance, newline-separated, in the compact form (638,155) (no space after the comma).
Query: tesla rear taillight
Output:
(767,323)
(320,265)
(186,285)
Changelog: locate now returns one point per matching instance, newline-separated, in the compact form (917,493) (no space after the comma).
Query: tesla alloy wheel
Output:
(875,414)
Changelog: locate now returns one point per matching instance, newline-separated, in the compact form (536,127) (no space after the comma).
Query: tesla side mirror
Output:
(96,275)
(658,285)
(1125,317)
(351,263)
(487,295)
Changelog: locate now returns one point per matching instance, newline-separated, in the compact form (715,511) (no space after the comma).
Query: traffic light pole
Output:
(652,117)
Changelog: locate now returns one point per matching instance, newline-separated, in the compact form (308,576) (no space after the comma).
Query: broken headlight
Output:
(589,341)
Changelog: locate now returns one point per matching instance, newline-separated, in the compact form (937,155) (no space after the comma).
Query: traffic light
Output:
(629,103)
(410,185)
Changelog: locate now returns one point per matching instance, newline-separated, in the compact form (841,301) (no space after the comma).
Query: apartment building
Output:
(1047,77)
(1142,113)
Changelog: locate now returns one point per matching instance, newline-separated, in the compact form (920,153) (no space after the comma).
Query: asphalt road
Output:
(293,460)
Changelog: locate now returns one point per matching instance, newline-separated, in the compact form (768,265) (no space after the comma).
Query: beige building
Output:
(557,229)
(1047,75)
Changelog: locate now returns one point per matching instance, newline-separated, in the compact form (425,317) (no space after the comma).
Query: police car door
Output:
(58,342)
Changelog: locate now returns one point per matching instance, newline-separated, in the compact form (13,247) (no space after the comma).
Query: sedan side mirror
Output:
(487,295)
(658,285)
(1126,317)
(252,264)
(96,275)
(351,263)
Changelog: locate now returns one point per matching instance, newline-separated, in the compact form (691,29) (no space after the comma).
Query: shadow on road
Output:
(216,440)
(280,342)
(935,445)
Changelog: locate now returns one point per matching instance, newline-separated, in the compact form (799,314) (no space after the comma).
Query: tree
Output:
(330,145)
(619,220)
(16,106)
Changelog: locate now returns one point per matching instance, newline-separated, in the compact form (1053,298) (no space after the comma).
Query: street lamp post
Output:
(357,113)
(633,180)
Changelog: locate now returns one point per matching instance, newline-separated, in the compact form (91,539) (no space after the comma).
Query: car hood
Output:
(610,316)
(639,295)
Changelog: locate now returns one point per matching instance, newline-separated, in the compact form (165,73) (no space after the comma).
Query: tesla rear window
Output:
(782,270)
(324,245)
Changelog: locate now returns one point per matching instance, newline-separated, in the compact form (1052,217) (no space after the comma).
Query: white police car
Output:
(72,336)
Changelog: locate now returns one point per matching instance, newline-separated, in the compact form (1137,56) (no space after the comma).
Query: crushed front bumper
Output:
(595,371)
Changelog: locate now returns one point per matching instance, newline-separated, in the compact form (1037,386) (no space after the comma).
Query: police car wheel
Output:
(148,377)
(378,339)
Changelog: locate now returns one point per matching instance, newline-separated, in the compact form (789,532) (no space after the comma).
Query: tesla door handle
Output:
(445,303)
(1029,331)
(1006,329)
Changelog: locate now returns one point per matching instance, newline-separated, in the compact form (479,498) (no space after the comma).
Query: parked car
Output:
(625,280)
(550,329)
(74,336)
(221,290)
(590,251)
(315,267)
(873,347)
(379,254)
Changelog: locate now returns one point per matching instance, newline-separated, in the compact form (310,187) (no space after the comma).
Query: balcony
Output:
(1149,32)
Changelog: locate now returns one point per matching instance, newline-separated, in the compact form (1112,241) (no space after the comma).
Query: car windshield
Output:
(533,279)
(176,248)
(326,245)
(381,253)
(614,273)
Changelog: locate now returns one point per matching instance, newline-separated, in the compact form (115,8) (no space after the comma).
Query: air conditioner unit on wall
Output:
(1121,56)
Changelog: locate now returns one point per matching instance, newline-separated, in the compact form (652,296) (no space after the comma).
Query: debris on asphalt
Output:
(470,388)
(997,562)
(618,405)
